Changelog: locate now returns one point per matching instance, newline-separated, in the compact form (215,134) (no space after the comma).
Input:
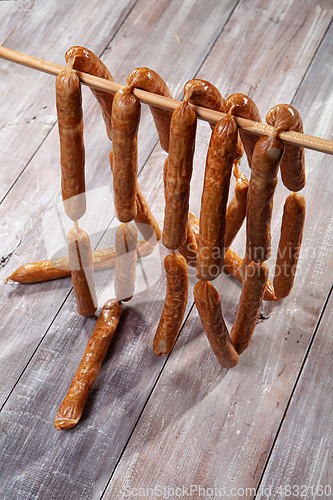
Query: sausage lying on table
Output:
(264,177)
(208,305)
(72,407)
(126,111)
(126,257)
(149,80)
(45,270)
(177,176)
(174,306)
(285,117)
(205,94)
(72,155)
(253,287)
(289,244)
(242,105)
(81,265)
(214,199)
(86,61)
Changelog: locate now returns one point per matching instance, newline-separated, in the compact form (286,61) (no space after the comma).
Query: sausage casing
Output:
(72,407)
(72,155)
(265,163)
(126,258)
(208,304)
(289,244)
(253,287)
(236,210)
(242,105)
(81,265)
(285,117)
(174,306)
(126,111)
(178,176)
(86,61)
(149,80)
(190,247)
(214,199)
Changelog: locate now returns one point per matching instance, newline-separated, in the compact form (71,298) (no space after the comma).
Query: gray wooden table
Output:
(179,426)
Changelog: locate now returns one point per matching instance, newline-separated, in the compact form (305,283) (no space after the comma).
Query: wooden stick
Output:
(294,138)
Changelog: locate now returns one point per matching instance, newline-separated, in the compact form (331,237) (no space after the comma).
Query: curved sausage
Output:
(214,199)
(202,93)
(253,287)
(242,105)
(289,244)
(81,265)
(45,270)
(265,163)
(149,80)
(126,257)
(70,124)
(208,304)
(178,176)
(175,304)
(72,407)
(236,210)
(125,118)
(285,117)
(86,61)
(190,247)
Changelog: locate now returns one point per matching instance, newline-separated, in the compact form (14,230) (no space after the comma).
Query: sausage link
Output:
(214,199)
(126,257)
(249,304)
(236,210)
(208,304)
(125,118)
(175,304)
(242,105)
(285,117)
(205,94)
(45,270)
(87,62)
(289,244)
(178,176)
(72,407)
(72,155)
(265,163)
(144,219)
(81,265)
(149,80)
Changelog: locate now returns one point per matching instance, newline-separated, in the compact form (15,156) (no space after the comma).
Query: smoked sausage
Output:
(149,80)
(236,210)
(81,265)
(72,407)
(265,163)
(72,155)
(253,287)
(86,61)
(126,257)
(214,199)
(289,244)
(178,176)
(285,117)
(125,118)
(208,304)
(174,306)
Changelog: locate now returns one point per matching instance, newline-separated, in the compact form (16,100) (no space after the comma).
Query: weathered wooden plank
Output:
(203,425)
(28,97)
(9,18)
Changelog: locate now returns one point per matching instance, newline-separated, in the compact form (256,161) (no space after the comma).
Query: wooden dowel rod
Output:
(294,138)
